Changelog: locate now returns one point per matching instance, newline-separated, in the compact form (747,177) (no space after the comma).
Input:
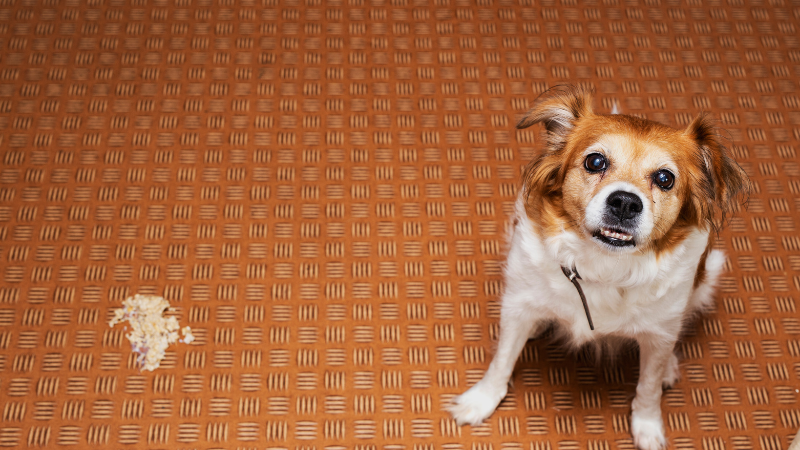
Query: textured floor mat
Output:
(321,190)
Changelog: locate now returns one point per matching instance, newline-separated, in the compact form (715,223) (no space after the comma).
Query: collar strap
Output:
(573,276)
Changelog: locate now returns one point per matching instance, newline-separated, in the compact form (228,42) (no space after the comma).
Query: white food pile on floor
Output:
(152,333)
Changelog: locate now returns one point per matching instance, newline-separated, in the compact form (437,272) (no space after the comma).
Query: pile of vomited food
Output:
(151,332)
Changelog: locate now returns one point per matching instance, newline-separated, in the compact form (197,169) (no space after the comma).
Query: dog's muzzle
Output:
(620,218)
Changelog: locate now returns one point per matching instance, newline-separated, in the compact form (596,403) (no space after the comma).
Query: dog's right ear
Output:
(559,109)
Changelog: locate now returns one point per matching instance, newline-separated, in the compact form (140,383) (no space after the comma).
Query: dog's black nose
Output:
(624,205)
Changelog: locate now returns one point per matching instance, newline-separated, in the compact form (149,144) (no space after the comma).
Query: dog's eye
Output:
(664,179)
(595,162)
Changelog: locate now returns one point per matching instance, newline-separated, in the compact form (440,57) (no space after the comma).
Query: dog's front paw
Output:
(648,434)
(672,373)
(478,403)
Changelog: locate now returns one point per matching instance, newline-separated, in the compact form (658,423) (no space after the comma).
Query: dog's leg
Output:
(646,424)
(480,401)
(672,373)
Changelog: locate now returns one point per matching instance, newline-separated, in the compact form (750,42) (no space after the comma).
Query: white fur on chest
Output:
(628,294)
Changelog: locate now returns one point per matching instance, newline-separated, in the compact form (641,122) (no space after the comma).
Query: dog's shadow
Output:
(551,375)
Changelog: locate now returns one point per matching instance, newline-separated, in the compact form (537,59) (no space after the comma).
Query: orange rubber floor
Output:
(321,189)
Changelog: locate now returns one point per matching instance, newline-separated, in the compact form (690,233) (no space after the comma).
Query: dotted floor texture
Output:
(321,189)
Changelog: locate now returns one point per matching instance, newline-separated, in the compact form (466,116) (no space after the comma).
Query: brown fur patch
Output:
(700,274)
(724,180)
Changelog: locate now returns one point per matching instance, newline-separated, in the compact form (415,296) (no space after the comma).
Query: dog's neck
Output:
(597,265)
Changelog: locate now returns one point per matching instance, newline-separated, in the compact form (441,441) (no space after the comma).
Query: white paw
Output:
(478,403)
(648,434)
(672,373)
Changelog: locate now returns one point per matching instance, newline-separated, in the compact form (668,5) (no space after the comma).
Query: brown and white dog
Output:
(624,209)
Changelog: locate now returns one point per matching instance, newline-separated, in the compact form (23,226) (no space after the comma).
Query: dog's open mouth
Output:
(617,238)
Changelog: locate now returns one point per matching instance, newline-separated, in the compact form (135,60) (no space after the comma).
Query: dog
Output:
(612,240)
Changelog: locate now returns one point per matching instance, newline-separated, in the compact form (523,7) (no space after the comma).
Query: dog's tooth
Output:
(614,235)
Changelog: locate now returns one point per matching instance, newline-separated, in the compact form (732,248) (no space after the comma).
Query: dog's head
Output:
(626,183)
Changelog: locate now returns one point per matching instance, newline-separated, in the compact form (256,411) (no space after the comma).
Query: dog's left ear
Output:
(725,181)
(559,109)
